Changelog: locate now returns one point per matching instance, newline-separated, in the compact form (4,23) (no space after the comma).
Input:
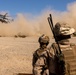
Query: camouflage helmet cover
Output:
(63,29)
(43,39)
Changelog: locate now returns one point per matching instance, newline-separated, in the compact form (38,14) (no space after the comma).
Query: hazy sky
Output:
(32,6)
(31,16)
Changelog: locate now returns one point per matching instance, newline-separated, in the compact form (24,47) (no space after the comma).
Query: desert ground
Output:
(16,54)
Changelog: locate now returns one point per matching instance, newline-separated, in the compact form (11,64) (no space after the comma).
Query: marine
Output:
(40,57)
(63,34)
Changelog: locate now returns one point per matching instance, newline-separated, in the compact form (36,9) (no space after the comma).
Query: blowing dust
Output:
(36,25)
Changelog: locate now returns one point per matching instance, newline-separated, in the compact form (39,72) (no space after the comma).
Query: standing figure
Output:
(40,57)
(56,63)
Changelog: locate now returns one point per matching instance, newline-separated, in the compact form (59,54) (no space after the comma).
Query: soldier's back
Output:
(70,59)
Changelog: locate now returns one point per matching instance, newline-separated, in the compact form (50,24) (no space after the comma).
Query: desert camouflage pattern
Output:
(40,65)
(64,48)
(43,39)
(62,28)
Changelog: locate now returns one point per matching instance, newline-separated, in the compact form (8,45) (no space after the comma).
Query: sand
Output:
(16,54)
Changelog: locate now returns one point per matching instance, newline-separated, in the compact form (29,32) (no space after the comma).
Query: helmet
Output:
(43,39)
(63,29)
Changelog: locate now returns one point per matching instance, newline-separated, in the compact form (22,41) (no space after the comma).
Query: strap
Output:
(55,47)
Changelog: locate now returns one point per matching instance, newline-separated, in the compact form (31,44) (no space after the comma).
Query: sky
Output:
(30,16)
(32,6)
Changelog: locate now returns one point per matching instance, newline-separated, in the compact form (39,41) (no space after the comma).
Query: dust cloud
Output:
(38,24)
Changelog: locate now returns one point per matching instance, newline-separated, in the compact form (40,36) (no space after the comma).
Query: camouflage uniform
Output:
(63,33)
(53,66)
(40,65)
(40,57)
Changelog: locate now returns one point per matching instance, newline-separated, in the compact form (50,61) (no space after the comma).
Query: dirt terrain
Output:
(16,54)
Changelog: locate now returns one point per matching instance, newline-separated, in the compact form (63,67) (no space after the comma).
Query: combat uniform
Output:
(40,57)
(63,34)
(40,65)
(53,65)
